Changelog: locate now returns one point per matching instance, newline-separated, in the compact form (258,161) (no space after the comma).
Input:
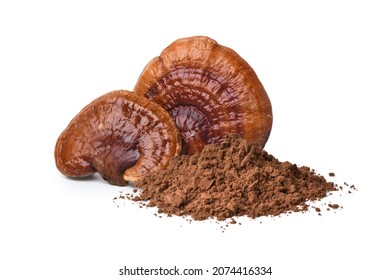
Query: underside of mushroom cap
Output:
(209,90)
(118,134)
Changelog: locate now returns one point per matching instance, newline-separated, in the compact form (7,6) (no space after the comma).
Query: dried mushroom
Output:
(120,135)
(209,90)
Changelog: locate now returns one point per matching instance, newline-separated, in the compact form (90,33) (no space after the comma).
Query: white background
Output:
(325,66)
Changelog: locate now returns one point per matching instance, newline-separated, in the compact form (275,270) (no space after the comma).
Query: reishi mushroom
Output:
(121,135)
(209,90)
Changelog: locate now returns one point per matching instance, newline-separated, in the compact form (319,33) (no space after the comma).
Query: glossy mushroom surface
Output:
(209,90)
(120,135)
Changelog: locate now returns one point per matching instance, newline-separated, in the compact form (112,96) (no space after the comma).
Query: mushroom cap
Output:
(121,135)
(209,90)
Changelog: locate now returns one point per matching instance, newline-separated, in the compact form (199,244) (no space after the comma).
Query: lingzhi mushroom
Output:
(209,90)
(120,135)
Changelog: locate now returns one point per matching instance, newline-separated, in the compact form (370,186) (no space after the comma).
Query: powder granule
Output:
(232,178)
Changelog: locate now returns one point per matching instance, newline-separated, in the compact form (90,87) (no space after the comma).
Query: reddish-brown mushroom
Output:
(209,90)
(121,135)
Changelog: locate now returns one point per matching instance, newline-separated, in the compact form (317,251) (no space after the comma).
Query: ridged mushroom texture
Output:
(120,135)
(209,90)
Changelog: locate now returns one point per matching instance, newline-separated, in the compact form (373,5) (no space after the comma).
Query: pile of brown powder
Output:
(230,179)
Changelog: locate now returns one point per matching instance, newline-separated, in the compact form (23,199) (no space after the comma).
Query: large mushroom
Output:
(209,90)
(121,135)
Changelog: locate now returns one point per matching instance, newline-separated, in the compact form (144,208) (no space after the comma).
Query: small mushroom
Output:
(209,90)
(121,135)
